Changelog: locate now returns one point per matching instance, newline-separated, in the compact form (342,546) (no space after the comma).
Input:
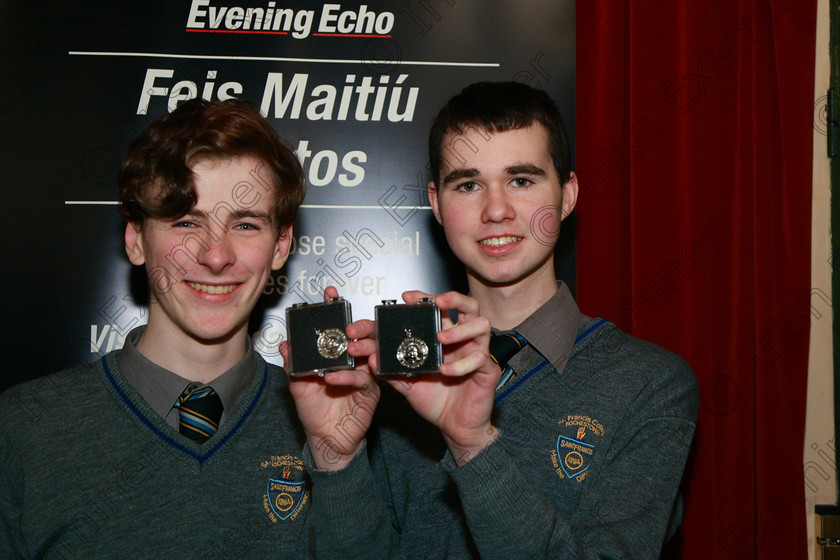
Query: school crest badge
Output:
(575,446)
(286,496)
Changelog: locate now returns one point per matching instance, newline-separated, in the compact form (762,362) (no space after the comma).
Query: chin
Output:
(211,335)
(498,279)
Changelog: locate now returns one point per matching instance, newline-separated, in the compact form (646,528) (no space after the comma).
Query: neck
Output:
(506,306)
(192,359)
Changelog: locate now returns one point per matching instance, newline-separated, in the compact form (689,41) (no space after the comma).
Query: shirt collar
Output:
(551,329)
(160,388)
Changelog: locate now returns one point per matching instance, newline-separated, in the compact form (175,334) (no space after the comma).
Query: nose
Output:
(216,253)
(497,205)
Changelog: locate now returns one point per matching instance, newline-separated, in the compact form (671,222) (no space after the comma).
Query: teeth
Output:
(212,289)
(499,241)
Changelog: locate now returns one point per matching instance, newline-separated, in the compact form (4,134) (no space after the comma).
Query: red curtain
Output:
(694,153)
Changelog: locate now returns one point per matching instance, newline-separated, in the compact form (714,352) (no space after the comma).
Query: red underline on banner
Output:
(251,32)
(350,35)
(280,59)
(310,206)
(236,31)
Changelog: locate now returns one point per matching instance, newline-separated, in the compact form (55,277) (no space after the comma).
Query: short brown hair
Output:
(500,107)
(156,179)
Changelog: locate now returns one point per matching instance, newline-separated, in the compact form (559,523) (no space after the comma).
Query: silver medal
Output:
(331,343)
(412,351)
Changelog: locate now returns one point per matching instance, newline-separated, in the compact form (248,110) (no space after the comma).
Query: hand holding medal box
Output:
(317,338)
(406,337)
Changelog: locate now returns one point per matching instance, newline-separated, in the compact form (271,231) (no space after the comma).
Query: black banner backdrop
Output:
(352,86)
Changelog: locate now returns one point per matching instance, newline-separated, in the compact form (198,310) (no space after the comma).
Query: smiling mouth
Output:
(210,289)
(500,241)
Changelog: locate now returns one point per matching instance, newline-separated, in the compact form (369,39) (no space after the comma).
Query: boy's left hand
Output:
(336,410)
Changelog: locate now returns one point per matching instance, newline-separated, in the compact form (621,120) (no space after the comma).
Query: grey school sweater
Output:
(588,463)
(87,470)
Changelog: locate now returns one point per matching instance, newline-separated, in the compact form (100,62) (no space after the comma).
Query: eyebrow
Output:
(525,169)
(235,215)
(461,173)
(518,169)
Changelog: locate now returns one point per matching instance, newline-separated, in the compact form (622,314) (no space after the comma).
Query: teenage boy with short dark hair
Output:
(576,453)
(186,443)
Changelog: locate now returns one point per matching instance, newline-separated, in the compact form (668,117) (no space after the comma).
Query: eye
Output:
(469,186)
(245,226)
(522,182)
(184,224)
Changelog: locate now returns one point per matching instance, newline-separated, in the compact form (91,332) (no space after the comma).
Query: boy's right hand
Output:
(458,399)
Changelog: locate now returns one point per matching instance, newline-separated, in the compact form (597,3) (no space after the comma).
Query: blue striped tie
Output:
(503,347)
(200,411)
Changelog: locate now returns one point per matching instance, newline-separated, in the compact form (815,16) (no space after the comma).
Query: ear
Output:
(282,247)
(570,194)
(134,244)
(433,200)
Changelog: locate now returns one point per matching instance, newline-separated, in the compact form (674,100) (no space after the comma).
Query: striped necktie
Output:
(503,347)
(200,411)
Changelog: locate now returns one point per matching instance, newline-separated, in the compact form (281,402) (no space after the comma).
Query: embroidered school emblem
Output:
(286,496)
(575,447)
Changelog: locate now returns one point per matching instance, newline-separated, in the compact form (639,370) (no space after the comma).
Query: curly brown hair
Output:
(156,178)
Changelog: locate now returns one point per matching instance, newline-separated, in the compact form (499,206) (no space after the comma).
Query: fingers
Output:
(412,296)
(358,379)
(330,292)
(361,348)
(363,328)
(449,300)
(363,343)
(467,329)
(372,363)
(476,361)
(344,381)
(463,304)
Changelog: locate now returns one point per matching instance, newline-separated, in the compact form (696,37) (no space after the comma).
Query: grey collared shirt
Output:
(160,388)
(550,331)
